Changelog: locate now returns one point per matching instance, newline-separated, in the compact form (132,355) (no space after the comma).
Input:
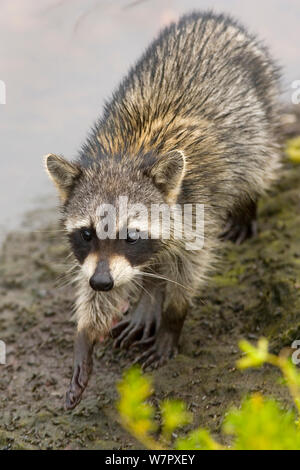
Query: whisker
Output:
(40,231)
(156,276)
(142,287)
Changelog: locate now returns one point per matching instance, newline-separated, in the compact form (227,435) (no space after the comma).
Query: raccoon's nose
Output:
(101,282)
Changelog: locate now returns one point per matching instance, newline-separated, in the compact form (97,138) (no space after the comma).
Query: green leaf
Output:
(292,375)
(254,356)
(260,424)
(199,439)
(174,415)
(293,149)
(134,390)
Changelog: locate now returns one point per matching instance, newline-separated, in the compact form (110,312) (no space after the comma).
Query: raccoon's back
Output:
(202,64)
(204,69)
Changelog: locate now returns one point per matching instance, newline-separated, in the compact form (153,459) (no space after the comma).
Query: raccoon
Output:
(195,121)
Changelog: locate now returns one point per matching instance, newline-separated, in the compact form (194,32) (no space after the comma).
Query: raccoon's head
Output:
(106,212)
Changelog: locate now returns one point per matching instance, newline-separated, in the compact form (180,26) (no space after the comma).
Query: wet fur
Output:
(204,87)
(208,89)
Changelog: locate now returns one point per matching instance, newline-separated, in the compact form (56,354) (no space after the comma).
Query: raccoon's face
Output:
(106,214)
(110,263)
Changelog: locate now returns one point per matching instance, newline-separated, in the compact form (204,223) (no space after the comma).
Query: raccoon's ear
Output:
(167,174)
(62,173)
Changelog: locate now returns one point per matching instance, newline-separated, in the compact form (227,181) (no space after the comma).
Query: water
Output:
(61,59)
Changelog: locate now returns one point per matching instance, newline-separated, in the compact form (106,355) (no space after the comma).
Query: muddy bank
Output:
(255,292)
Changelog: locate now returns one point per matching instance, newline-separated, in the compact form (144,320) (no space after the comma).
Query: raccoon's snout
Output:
(101,281)
(107,273)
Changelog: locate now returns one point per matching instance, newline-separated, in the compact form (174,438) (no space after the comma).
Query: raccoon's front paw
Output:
(164,348)
(239,232)
(133,332)
(78,384)
(242,225)
(137,330)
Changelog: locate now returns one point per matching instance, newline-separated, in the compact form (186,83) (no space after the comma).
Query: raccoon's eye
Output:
(86,235)
(132,237)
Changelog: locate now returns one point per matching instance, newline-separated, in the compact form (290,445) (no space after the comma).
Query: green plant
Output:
(293,149)
(260,423)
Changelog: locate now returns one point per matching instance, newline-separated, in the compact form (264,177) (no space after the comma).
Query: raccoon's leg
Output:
(140,327)
(241,224)
(167,337)
(82,368)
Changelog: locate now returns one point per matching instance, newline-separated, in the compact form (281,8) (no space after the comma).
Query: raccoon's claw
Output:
(163,349)
(128,336)
(144,342)
(238,233)
(241,225)
(119,327)
(133,333)
(138,329)
(78,385)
